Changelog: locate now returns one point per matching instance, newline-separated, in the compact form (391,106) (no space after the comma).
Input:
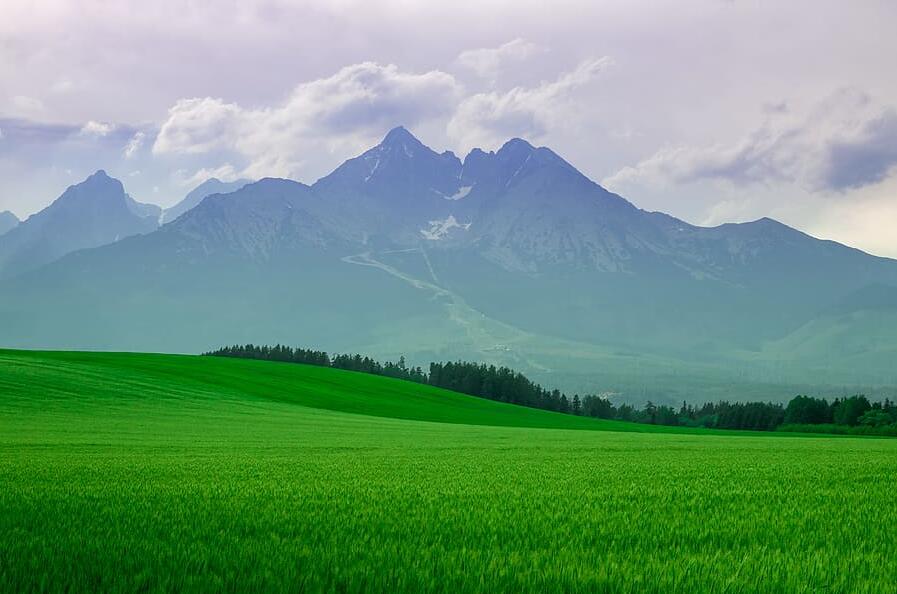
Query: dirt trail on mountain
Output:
(487,335)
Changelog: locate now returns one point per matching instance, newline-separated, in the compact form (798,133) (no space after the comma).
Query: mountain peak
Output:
(399,134)
(96,182)
(515,152)
(516,144)
(99,192)
(94,212)
(399,139)
(212,185)
(99,181)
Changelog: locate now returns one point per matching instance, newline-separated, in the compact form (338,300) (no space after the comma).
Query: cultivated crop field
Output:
(126,473)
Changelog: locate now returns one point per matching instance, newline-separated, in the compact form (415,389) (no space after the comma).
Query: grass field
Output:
(146,473)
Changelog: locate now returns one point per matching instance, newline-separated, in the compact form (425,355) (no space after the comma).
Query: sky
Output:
(711,110)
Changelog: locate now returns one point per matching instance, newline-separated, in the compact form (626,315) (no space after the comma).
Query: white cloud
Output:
(134,144)
(94,128)
(487,63)
(199,125)
(331,114)
(27,106)
(485,119)
(844,142)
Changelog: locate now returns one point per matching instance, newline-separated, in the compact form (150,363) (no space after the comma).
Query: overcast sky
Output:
(711,110)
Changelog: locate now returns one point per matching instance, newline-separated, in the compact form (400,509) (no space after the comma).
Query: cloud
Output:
(485,119)
(30,135)
(346,109)
(27,106)
(863,158)
(134,144)
(487,63)
(845,142)
(26,135)
(94,128)
(199,125)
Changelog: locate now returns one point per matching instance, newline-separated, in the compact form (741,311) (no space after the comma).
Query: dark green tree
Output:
(807,410)
(849,410)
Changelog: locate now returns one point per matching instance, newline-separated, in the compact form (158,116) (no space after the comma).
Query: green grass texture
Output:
(162,473)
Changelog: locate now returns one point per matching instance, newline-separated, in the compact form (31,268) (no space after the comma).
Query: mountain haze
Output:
(195,196)
(7,221)
(93,213)
(511,257)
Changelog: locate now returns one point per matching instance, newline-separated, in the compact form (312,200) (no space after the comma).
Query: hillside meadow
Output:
(159,473)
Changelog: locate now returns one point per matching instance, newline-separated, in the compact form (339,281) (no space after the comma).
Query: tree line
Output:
(855,414)
(356,362)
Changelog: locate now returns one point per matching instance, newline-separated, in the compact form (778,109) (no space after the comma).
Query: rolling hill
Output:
(135,379)
(136,472)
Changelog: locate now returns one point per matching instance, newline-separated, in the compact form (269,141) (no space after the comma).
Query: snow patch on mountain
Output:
(519,169)
(373,168)
(462,192)
(440,228)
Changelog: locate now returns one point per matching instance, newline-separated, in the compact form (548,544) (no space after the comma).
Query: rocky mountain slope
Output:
(195,196)
(93,213)
(7,221)
(510,256)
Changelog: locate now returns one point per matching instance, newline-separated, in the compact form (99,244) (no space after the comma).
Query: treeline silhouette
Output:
(855,414)
(323,359)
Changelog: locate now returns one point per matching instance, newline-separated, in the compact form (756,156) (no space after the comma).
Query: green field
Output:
(147,473)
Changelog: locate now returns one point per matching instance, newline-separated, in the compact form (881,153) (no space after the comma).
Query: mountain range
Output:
(93,213)
(511,257)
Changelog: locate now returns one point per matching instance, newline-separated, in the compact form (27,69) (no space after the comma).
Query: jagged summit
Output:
(98,179)
(92,213)
(519,151)
(399,161)
(97,188)
(401,144)
(516,146)
(211,186)
(400,134)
